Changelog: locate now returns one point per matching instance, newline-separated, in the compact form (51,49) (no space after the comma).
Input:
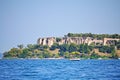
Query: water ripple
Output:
(59,69)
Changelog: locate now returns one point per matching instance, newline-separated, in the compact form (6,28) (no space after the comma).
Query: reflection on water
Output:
(16,69)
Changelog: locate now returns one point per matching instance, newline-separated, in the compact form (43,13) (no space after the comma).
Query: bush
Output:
(94,56)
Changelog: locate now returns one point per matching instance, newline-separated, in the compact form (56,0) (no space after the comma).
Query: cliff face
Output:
(76,40)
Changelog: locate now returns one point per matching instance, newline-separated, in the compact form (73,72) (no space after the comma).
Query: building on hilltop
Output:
(46,41)
(76,40)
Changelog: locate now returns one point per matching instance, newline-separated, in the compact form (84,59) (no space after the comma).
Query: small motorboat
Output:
(75,59)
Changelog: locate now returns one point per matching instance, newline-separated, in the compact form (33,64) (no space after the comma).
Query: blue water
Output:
(17,69)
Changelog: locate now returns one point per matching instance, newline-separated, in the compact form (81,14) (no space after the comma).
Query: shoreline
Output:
(63,58)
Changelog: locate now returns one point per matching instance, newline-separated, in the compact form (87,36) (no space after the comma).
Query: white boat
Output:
(99,58)
(75,59)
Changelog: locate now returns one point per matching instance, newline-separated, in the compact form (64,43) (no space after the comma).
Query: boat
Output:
(74,59)
(99,58)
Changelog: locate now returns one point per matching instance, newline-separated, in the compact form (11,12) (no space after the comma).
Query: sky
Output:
(24,21)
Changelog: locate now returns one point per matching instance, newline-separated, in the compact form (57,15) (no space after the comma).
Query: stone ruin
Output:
(76,40)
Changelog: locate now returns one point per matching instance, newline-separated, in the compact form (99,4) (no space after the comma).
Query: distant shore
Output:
(64,58)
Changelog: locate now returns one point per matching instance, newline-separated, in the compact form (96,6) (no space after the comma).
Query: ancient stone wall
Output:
(76,40)
(46,41)
(108,41)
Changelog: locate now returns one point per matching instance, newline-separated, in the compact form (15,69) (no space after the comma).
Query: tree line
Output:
(65,51)
(98,36)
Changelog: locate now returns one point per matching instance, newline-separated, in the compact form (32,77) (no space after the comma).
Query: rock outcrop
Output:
(76,40)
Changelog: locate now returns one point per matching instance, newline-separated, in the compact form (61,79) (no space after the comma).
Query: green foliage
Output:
(30,47)
(58,39)
(40,55)
(56,55)
(94,56)
(54,46)
(91,47)
(81,48)
(118,44)
(66,55)
(36,46)
(92,44)
(98,36)
(24,54)
(14,52)
(114,55)
(45,46)
(75,55)
(6,54)
(64,47)
(85,48)
(61,54)
(65,50)
(20,46)
(72,47)
(84,56)
(46,54)
(106,49)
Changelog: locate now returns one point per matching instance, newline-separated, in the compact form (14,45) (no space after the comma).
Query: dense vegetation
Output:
(98,36)
(64,51)
(67,50)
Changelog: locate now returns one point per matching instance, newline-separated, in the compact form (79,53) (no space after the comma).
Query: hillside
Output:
(70,46)
(118,53)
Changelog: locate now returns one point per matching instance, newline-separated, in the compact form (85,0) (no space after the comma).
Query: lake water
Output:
(31,69)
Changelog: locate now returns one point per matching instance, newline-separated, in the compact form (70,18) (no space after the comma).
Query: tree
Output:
(114,55)
(58,39)
(106,49)
(72,47)
(40,55)
(56,55)
(24,54)
(94,56)
(118,44)
(46,54)
(115,36)
(66,55)
(30,46)
(75,54)
(91,48)
(86,49)
(45,46)
(6,54)
(81,48)
(20,46)
(98,36)
(61,53)
(54,46)
(14,52)
(70,35)
(64,47)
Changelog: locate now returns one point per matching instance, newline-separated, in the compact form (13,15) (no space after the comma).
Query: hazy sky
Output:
(24,21)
